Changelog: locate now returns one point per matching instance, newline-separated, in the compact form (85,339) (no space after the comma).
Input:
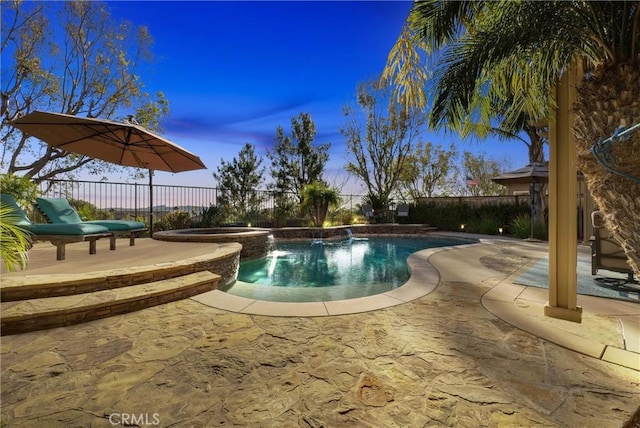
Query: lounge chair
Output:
(606,251)
(58,234)
(60,211)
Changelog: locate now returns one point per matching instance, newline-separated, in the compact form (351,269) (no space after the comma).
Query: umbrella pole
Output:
(151,203)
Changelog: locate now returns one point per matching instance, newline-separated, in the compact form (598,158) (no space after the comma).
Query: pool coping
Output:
(505,301)
(424,278)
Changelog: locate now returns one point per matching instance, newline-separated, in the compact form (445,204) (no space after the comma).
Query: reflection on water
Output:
(349,262)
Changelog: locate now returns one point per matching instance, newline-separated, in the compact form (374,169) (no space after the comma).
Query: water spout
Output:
(351,238)
(315,239)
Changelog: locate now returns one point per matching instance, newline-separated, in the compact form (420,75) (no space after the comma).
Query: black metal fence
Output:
(132,200)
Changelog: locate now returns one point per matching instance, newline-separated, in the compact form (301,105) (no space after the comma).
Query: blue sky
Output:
(234,71)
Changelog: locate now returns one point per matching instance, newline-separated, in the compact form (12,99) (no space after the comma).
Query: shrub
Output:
(447,216)
(520,227)
(210,217)
(21,188)
(159,226)
(376,201)
(340,216)
(486,219)
(541,231)
(176,220)
(88,211)
(358,218)
(284,210)
(255,218)
(486,224)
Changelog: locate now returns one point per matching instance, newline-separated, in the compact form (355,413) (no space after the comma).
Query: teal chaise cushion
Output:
(59,210)
(58,234)
(50,229)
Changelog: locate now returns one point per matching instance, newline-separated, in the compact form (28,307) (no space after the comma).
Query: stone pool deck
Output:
(472,349)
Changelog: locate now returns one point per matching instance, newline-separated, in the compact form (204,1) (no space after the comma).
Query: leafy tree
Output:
(82,64)
(21,188)
(88,211)
(380,149)
(317,199)
(478,171)
(237,182)
(536,132)
(427,170)
(539,41)
(295,161)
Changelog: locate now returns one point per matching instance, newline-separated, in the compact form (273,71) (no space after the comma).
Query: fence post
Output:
(135,200)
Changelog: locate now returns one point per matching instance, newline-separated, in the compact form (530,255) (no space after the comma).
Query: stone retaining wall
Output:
(255,242)
(227,267)
(224,261)
(340,232)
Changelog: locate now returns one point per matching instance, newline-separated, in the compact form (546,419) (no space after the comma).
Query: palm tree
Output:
(317,198)
(492,109)
(492,113)
(484,42)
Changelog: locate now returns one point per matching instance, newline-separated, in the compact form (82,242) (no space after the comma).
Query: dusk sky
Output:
(234,71)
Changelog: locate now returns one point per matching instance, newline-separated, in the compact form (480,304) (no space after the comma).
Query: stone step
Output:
(40,286)
(43,313)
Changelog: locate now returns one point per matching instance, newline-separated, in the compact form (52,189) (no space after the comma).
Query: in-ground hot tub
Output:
(255,241)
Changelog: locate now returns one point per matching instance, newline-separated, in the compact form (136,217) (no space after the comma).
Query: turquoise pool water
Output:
(331,270)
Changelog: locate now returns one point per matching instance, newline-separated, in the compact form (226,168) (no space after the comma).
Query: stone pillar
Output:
(563,200)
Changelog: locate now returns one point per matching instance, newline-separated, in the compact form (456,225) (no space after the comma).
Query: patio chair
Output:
(58,234)
(60,211)
(403,210)
(367,211)
(606,251)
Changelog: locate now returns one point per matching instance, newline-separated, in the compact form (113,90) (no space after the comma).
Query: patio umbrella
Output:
(532,173)
(122,143)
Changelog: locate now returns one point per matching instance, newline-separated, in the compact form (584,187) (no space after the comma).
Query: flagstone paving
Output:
(440,360)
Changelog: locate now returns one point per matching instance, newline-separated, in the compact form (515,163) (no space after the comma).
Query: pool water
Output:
(331,270)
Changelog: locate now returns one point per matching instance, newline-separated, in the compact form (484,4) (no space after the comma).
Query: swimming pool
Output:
(331,270)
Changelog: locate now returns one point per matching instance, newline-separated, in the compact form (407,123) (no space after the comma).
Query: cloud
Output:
(250,121)
(213,115)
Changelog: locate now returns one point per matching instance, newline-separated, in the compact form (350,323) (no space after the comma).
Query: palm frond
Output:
(497,60)
(14,241)
(487,49)
(435,22)
(404,68)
